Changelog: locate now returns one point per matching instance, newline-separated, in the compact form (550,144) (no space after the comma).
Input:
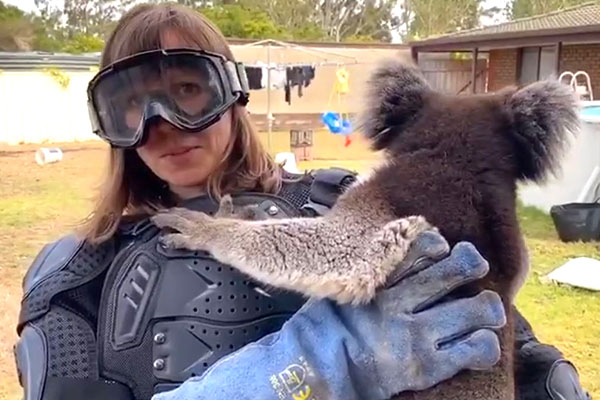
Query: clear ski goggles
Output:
(190,89)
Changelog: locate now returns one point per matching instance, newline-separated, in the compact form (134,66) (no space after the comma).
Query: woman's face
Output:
(185,160)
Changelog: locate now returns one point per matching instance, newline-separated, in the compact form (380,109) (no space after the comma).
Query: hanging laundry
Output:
(342,76)
(278,77)
(309,75)
(288,93)
(254,75)
(274,72)
(300,76)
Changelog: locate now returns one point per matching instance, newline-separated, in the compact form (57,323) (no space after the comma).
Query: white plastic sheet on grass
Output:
(580,272)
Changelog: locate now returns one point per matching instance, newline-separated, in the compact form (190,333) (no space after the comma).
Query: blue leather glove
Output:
(398,342)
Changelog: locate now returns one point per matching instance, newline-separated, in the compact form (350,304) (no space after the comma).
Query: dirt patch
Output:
(40,204)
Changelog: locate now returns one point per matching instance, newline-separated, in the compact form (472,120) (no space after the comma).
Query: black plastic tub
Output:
(577,221)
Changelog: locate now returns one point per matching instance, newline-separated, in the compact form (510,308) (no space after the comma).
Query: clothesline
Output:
(286,76)
(289,83)
(302,64)
(261,77)
(323,54)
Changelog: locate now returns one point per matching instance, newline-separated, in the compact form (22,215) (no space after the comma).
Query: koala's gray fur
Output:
(454,160)
(346,255)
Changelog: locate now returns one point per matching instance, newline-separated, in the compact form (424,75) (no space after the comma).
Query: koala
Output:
(452,163)
(331,256)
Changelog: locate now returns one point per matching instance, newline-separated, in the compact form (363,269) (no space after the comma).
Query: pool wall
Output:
(577,167)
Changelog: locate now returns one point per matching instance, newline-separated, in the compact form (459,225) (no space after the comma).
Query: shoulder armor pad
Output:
(563,383)
(31,357)
(50,259)
(327,186)
(60,266)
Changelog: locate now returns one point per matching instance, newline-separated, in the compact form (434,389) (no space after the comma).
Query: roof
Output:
(18,61)
(312,43)
(583,19)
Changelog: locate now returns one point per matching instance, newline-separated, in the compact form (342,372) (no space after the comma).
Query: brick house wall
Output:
(586,57)
(502,68)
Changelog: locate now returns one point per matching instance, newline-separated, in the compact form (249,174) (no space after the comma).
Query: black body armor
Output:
(130,318)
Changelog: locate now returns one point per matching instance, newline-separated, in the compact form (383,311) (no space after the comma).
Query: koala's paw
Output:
(403,230)
(357,293)
(181,241)
(182,220)
(225,207)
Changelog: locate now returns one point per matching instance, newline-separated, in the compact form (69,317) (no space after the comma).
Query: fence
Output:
(454,76)
(43,95)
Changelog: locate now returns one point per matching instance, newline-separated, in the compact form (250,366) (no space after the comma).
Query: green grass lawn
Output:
(38,204)
(566,317)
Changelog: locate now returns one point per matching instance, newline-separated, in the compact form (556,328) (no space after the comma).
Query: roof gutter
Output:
(582,34)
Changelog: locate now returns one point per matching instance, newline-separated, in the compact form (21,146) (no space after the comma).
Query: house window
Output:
(537,63)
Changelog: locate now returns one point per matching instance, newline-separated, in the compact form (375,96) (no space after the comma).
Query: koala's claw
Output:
(225,207)
(172,221)
(416,226)
(401,230)
(180,219)
(180,241)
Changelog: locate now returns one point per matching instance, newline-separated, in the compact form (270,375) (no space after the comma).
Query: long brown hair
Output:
(130,188)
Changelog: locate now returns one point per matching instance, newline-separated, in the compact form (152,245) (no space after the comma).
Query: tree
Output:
(76,26)
(80,25)
(237,21)
(88,17)
(334,20)
(366,18)
(424,18)
(294,18)
(16,31)
(8,12)
(527,8)
(260,19)
(375,21)
(83,44)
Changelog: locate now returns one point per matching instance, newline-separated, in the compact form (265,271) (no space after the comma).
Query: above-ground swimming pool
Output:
(578,167)
(590,111)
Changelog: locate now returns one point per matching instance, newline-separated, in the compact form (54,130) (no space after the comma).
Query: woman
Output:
(111,313)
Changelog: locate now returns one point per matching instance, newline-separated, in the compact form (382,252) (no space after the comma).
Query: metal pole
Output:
(474,70)
(558,50)
(415,55)
(269,117)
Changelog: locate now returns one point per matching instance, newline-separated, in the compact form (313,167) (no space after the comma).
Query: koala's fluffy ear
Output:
(543,115)
(395,92)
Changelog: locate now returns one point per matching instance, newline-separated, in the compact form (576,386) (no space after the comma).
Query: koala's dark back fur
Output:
(456,160)
(455,166)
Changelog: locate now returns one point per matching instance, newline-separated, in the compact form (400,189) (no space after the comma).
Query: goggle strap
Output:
(238,78)
(96,128)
